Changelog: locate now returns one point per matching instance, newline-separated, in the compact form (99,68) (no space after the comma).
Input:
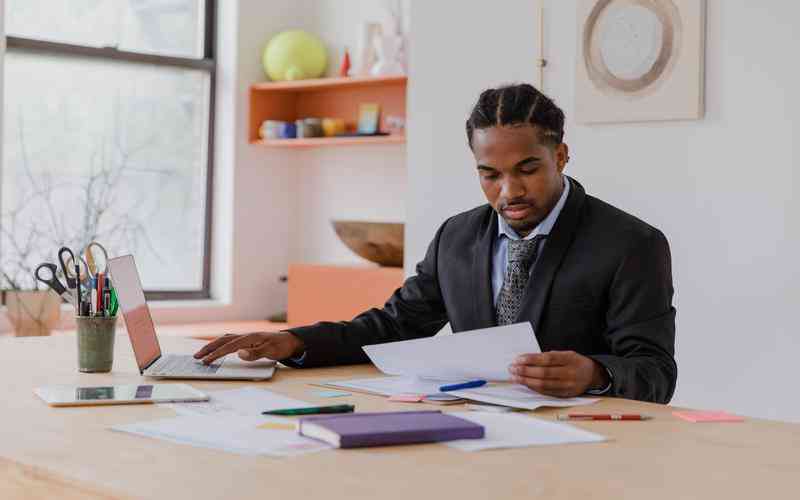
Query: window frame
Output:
(207,63)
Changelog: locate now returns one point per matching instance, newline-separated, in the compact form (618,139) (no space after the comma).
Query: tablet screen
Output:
(118,394)
(101,393)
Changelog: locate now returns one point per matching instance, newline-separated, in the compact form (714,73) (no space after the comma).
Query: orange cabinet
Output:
(338,293)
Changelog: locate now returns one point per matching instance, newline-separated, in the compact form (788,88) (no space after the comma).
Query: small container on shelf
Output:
(332,127)
(288,130)
(270,129)
(309,127)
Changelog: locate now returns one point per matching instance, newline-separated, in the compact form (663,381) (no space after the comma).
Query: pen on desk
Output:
(466,385)
(312,410)
(604,416)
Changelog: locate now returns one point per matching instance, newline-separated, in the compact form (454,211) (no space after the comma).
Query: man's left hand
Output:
(558,373)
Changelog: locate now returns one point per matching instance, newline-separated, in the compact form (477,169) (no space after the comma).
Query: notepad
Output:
(357,430)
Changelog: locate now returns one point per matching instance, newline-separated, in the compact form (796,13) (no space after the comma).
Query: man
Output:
(595,282)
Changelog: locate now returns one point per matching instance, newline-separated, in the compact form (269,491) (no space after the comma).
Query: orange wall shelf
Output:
(325,98)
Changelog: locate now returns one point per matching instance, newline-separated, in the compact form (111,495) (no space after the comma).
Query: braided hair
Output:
(518,105)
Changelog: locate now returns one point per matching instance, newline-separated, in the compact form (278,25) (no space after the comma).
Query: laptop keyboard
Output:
(184,365)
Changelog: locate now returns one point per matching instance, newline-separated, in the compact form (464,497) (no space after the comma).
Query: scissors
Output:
(68,267)
(101,272)
(91,261)
(53,282)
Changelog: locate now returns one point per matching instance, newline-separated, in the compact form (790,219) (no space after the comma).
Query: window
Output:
(108,113)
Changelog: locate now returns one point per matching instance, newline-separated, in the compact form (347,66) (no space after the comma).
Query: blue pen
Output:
(466,385)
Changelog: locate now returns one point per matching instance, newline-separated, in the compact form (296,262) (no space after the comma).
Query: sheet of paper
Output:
(260,435)
(389,386)
(513,430)
(245,401)
(477,354)
(331,394)
(517,396)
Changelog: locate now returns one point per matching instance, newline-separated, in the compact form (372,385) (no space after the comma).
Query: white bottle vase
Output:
(388,49)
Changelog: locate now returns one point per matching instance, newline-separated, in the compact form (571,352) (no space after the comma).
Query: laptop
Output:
(146,349)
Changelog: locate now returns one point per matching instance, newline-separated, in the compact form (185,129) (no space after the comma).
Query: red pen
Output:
(604,416)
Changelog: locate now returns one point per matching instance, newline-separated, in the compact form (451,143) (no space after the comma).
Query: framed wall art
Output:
(640,60)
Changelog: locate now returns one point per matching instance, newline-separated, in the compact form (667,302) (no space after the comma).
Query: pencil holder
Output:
(95,343)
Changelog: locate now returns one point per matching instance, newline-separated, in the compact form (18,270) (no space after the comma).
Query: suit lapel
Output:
(483,301)
(555,248)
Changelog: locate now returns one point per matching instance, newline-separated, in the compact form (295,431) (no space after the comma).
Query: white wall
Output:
(347,183)
(456,54)
(720,188)
(354,183)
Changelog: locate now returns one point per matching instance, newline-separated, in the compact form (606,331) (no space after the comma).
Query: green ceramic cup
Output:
(95,343)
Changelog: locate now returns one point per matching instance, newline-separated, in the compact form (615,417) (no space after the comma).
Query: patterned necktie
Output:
(522,255)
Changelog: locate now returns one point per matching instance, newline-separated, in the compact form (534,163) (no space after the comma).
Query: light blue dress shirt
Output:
(505,233)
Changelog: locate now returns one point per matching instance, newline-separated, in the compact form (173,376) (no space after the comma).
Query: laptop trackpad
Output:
(232,366)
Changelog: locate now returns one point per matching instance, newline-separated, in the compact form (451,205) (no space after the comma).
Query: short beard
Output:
(523,228)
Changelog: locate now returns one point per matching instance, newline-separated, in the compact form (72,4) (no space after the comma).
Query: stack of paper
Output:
(511,395)
(389,386)
(246,401)
(422,366)
(518,396)
(262,435)
(510,430)
(231,421)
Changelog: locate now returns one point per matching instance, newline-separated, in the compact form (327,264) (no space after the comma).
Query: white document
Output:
(246,401)
(255,435)
(517,396)
(477,354)
(512,430)
(389,386)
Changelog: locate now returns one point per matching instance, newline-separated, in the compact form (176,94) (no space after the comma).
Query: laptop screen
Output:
(125,279)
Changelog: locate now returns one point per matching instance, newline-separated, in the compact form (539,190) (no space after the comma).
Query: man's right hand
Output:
(253,346)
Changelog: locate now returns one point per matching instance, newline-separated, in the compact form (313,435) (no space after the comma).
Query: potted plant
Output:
(32,312)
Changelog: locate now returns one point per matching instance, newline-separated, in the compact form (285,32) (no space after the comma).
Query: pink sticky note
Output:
(407,398)
(708,416)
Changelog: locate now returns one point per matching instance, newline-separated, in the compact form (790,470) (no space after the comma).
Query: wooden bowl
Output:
(379,242)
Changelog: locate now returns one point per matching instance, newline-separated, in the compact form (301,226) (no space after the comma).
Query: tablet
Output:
(66,395)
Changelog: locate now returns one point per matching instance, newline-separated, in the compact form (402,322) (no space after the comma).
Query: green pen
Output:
(114,302)
(312,410)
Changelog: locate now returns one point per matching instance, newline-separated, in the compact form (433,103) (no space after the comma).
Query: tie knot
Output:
(524,251)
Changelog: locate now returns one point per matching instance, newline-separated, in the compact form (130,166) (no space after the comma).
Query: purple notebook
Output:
(355,430)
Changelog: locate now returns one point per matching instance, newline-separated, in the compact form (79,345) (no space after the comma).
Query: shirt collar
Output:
(544,227)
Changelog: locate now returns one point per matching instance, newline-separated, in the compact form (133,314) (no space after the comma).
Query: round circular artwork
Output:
(629,46)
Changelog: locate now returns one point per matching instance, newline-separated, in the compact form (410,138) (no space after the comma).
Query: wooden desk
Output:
(68,452)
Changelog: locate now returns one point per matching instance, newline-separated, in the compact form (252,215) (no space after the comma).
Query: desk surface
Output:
(69,453)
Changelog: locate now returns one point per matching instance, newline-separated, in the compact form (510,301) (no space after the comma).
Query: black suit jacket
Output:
(601,287)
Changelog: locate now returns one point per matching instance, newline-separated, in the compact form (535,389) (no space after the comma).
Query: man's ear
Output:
(562,156)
